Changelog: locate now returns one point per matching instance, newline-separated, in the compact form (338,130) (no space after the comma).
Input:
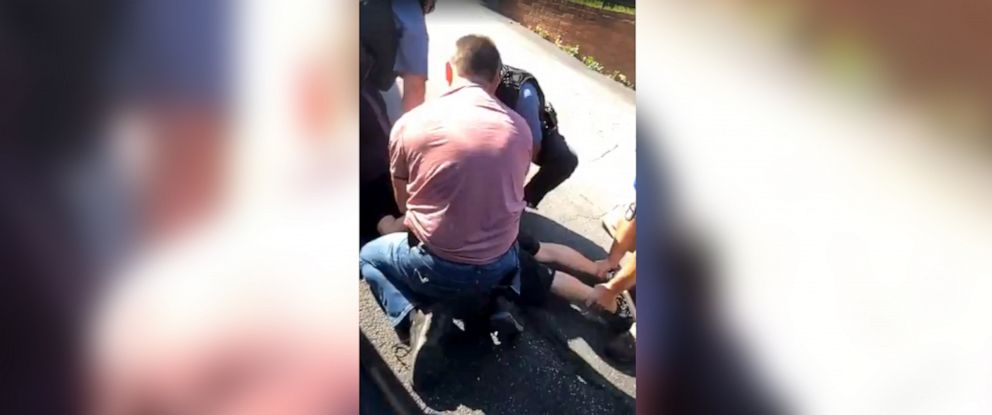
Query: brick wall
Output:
(606,36)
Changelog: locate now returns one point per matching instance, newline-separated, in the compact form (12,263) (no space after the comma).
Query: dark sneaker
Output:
(621,320)
(503,326)
(427,330)
(403,329)
(622,348)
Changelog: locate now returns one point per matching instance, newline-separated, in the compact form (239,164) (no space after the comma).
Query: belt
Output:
(412,239)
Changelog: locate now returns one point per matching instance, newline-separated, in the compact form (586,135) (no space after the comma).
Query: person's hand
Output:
(601,297)
(604,268)
(391,224)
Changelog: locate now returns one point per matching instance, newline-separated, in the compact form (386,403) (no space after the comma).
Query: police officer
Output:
(520,90)
(393,35)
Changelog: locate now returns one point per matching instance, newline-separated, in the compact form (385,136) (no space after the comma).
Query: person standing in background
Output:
(411,54)
(394,42)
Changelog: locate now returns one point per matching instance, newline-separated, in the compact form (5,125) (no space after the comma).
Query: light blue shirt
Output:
(529,107)
(411,52)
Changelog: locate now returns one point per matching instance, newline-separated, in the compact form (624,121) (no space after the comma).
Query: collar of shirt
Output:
(460,86)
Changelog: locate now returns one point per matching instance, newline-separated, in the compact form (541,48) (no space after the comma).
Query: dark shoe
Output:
(622,348)
(403,329)
(503,326)
(621,320)
(427,329)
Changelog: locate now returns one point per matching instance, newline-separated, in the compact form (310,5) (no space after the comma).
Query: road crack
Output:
(606,153)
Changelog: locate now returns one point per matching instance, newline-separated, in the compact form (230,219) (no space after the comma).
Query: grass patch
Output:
(598,4)
(589,61)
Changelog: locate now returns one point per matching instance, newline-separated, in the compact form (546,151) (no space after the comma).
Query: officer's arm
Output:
(412,52)
(529,107)
(535,151)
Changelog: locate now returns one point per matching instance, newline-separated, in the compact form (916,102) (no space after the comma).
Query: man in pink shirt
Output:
(458,165)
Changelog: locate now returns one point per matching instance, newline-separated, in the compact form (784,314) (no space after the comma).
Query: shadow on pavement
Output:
(380,391)
(584,337)
(554,334)
(528,375)
(521,377)
(547,230)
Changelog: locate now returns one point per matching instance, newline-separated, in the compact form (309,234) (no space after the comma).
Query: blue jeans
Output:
(401,276)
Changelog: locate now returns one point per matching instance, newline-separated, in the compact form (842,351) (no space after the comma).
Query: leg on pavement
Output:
(557,162)
(570,288)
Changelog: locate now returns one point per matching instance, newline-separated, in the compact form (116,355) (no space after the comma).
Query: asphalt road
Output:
(556,365)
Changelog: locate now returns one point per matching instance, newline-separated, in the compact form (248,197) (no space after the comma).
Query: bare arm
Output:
(625,278)
(605,295)
(624,242)
(565,257)
(414,91)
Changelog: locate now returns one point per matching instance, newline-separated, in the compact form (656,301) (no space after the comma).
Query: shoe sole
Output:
(504,328)
(621,351)
(429,357)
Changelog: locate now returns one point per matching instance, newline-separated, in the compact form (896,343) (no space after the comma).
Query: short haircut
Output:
(476,56)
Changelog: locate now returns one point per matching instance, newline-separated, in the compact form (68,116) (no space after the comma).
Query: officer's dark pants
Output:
(557,162)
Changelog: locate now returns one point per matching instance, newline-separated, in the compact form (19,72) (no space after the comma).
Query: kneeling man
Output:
(458,165)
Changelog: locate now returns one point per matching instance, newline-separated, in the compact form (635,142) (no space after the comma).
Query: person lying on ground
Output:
(561,256)
(537,279)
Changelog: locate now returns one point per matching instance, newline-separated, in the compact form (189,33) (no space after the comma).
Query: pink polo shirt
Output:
(465,156)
